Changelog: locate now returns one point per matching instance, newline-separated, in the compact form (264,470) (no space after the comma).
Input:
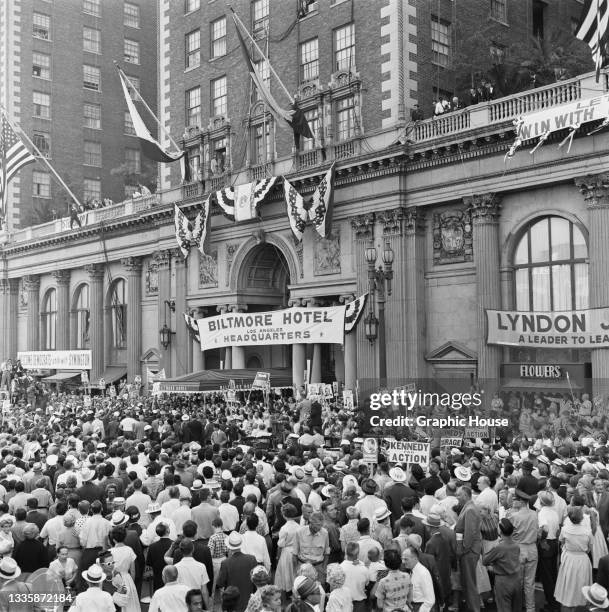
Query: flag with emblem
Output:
(297,214)
(183,231)
(320,212)
(353,312)
(13,156)
(199,230)
(592,29)
(193,326)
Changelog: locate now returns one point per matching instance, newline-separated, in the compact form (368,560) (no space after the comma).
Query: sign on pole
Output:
(348,399)
(451,441)
(401,451)
(262,381)
(370,450)
(476,432)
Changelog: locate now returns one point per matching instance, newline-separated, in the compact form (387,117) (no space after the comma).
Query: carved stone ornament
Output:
(326,258)
(208,269)
(363,226)
(231,249)
(484,208)
(299,249)
(22,294)
(152,277)
(392,221)
(452,237)
(595,189)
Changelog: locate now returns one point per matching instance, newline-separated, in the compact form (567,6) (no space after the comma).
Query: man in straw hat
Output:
(94,598)
(235,570)
(9,572)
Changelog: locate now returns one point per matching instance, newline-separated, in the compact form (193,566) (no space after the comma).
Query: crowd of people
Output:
(188,503)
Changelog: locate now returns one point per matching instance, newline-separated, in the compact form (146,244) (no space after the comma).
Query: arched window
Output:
(550,267)
(118,308)
(82,317)
(48,317)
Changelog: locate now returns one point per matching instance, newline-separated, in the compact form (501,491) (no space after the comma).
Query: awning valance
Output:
(112,374)
(61,377)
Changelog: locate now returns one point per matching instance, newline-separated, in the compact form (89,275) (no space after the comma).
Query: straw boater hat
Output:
(397,474)
(86,474)
(433,519)
(94,575)
(9,568)
(234,541)
(119,518)
(462,473)
(153,507)
(380,514)
(596,595)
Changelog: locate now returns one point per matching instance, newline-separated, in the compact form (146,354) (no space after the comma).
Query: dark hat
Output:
(527,465)
(369,486)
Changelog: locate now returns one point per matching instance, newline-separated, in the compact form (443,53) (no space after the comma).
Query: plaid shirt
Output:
(217,546)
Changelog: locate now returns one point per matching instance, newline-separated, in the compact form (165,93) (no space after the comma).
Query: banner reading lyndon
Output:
(569,328)
(294,325)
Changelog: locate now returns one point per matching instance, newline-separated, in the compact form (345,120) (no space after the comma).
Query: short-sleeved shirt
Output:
(312,547)
(394,590)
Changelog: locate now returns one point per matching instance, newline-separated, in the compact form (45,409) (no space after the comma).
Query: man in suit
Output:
(600,500)
(156,555)
(235,570)
(469,546)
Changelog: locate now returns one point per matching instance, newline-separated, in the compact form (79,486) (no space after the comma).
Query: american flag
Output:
(13,155)
(354,311)
(592,29)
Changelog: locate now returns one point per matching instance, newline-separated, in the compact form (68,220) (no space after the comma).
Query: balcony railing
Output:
(309,159)
(190,191)
(261,171)
(346,149)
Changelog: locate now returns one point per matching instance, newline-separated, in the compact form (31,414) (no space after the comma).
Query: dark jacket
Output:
(156,560)
(235,571)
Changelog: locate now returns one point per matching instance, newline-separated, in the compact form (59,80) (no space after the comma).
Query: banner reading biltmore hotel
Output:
(565,329)
(294,325)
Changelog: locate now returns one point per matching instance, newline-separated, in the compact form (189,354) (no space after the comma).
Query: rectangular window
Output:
(194,162)
(42,105)
(262,143)
(129,130)
(42,140)
(41,184)
(41,26)
(309,60)
(91,77)
(312,117)
(133,86)
(41,65)
(263,70)
(93,154)
(191,5)
(345,118)
(344,48)
(193,106)
(91,190)
(499,10)
(260,11)
(218,37)
(93,7)
(133,161)
(219,98)
(217,165)
(192,47)
(131,15)
(91,40)
(132,51)
(92,116)
(440,41)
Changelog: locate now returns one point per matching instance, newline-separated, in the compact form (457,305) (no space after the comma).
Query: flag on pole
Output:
(199,231)
(193,326)
(297,214)
(150,147)
(592,29)
(13,155)
(321,208)
(353,312)
(183,231)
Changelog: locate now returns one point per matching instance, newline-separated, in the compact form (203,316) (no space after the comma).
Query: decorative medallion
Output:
(452,237)
(326,259)
(208,270)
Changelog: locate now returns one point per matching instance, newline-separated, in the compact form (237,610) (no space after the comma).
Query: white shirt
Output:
(169,507)
(367,507)
(560,506)
(229,515)
(255,544)
(547,517)
(356,579)
(149,536)
(180,516)
(51,529)
(127,424)
(489,498)
(171,597)
(315,500)
(192,573)
(422,588)
(95,600)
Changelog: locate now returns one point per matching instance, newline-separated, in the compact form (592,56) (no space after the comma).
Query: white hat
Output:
(95,574)
(397,474)
(596,595)
(9,568)
(197,485)
(185,417)
(234,541)
(153,507)
(119,518)
(86,474)
(464,474)
(380,514)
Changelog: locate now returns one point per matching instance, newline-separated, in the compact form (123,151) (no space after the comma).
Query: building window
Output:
(261,143)
(192,47)
(91,189)
(440,41)
(82,317)
(217,165)
(263,70)
(218,37)
(134,87)
(91,40)
(131,15)
(194,162)
(41,65)
(345,118)
(118,307)
(497,53)
(91,78)
(41,26)
(48,318)
(191,5)
(499,10)
(42,105)
(309,60)
(344,47)
(93,154)
(129,130)
(260,11)
(132,51)
(193,107)
(550,268)
(41,184)
(133,161)
(92,116)
(312,117)
(219,98)
(93,7)
(42,141)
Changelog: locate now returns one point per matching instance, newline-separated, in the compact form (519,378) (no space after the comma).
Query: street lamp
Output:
(379,283)
(165,332)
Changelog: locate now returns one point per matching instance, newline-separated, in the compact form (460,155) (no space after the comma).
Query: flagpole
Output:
(18,129)
(141,99)
(239,22)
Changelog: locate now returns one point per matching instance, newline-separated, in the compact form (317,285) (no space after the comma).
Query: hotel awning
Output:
(61,377)
(112,374)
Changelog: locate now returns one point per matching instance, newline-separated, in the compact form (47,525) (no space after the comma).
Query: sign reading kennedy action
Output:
(566,329)
(300,325)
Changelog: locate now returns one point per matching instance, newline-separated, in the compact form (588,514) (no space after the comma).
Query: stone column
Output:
(238,352)
(4,322)
(299,353)
(62,278)
(162,260)
(414,281)
(31,284)
(315,374)
(13,309)
(96,319)
(198,356)
(182,337)
(367,363)
(485,217)
(595,189)
(133,267)
(228,352)
(350,349)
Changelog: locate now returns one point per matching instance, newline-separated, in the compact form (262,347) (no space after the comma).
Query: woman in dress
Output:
(123,572)
(7,543)
(285,574)
(575,569)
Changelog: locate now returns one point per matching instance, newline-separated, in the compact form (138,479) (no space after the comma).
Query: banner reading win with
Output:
(294,325)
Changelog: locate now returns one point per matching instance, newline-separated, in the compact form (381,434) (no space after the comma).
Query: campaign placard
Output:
(401,451)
